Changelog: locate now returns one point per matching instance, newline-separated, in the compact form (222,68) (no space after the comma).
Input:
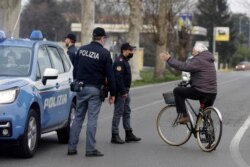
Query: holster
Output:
(76,86)
(104,92)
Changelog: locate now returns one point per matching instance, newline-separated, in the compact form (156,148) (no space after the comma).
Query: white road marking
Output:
(234,146)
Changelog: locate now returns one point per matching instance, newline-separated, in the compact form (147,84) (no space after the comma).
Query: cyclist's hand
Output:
(165,56)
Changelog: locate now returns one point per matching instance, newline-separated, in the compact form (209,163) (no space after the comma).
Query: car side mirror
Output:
(49,73)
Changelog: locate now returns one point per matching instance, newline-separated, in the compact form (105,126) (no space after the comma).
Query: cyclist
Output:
(203,79)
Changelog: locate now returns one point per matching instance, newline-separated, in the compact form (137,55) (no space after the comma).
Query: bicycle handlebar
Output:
(183,84)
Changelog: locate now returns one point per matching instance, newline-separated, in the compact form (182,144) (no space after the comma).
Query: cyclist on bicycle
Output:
(203,79)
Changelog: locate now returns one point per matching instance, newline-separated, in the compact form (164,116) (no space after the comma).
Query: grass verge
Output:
(148,78)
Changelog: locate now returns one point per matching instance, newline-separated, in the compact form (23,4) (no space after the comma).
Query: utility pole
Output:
(248,32)
(240,25)
(214,49)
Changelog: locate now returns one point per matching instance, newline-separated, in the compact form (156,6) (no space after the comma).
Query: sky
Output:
(236,6)
(240,6)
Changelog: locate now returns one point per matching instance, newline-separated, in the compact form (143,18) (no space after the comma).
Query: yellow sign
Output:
(222,34)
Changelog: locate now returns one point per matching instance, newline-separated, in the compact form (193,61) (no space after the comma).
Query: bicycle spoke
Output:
(169,129)
(209,129)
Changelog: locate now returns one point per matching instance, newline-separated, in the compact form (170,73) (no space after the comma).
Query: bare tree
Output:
(87,20)
(161,24)
(124,12)
(9,17)
(161,14)
(135,24)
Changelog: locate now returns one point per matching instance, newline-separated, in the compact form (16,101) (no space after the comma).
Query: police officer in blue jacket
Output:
(122,109)
(93,65)
(70,41)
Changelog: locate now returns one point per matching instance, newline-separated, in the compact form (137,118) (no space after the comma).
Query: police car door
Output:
(49,93)
(63,101)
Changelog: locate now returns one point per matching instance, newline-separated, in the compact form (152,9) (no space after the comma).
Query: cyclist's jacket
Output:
(202,69)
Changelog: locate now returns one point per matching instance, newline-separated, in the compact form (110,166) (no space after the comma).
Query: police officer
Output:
(93,65)
(122,109)
(70,41)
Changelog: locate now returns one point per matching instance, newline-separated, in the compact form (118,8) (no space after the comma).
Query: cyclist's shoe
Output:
(184,120)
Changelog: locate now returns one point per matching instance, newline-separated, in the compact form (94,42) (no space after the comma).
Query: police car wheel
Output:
(63,134)
(29,142)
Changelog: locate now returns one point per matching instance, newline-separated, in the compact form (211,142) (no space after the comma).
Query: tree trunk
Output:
(9,20)
(135,24)
(87,20)
(184,39)
(160,65)
(161,38)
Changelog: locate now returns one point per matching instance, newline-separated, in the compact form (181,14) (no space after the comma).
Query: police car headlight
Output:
(8,96)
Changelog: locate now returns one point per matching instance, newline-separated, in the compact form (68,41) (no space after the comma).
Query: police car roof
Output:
(23,42)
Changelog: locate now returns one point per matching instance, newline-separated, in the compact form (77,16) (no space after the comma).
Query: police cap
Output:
(99,32)
(127,46)
(71,37)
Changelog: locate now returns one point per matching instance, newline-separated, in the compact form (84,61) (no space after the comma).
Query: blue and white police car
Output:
(35,96)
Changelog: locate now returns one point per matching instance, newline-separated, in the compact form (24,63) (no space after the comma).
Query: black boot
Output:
(131,137)
(116,139)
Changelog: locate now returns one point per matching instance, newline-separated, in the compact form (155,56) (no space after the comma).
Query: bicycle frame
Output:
(193,123)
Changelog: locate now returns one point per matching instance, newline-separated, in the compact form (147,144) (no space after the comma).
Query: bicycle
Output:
(207,128)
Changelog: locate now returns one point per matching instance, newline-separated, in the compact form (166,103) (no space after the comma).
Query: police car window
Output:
(38,74)
(56,59)
(65,60)
(15,61)
(43,59)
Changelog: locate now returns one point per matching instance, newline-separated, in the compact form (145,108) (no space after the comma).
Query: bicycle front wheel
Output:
(209,129)
(169,130)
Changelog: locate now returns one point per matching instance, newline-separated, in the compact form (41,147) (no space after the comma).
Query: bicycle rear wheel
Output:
(169,130)
(209,129)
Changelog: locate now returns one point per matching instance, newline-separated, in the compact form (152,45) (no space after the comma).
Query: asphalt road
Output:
(232,100)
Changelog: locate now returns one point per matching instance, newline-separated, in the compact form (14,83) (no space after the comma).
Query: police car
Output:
(35,96)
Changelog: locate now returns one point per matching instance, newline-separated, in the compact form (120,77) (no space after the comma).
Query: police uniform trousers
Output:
(121,109)
(88,101)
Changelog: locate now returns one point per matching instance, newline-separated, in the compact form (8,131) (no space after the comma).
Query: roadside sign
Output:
(185,19)
(222,34)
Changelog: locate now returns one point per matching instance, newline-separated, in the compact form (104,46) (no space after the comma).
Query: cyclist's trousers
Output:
(182,93)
